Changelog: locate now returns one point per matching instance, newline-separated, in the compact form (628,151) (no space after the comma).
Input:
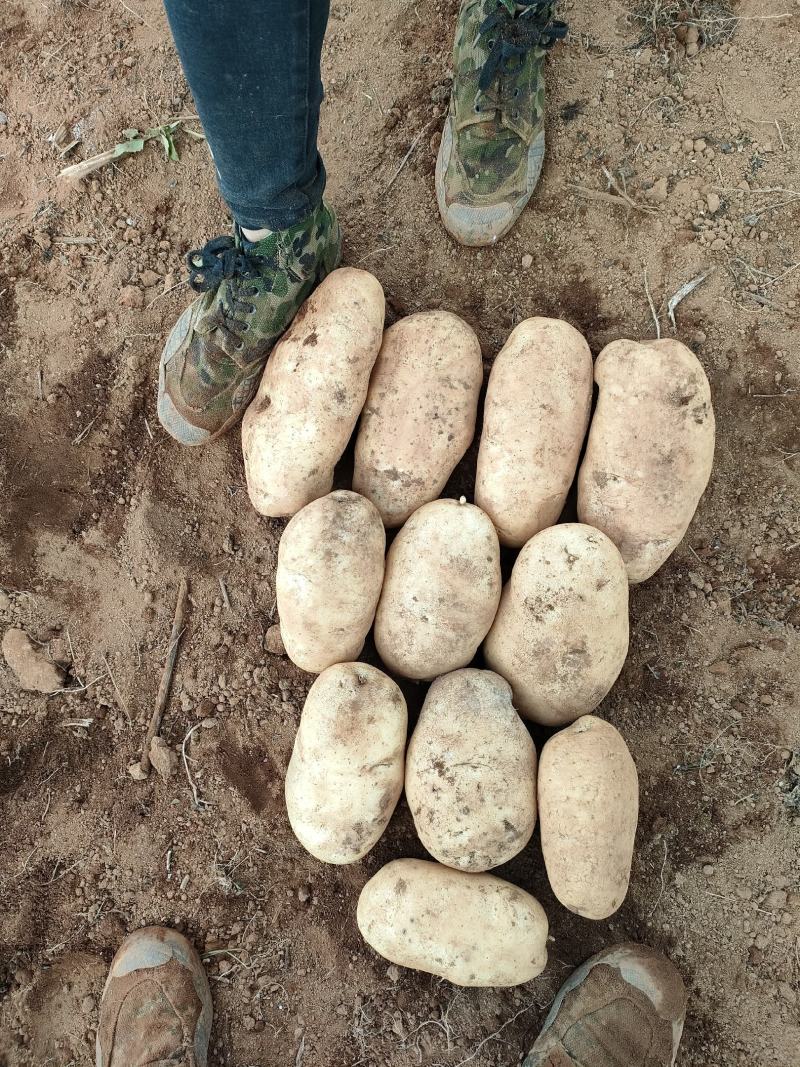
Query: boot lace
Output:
(234,263)
(507,38)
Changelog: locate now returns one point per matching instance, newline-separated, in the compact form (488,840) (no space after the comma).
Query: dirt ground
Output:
(102,514)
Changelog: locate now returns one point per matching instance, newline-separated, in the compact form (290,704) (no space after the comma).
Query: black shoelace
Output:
(508,38)
(226,260)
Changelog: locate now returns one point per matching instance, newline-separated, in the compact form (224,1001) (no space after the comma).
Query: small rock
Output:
(149,278)
(5,600)
(273,641)
(699,145)
(3,118)
(708,869)
(776,900)
(692,49)
(692,35)
(526,261)
(87,1005)
(304,894)
(393,973)
(136,771)
(713,202)
(208,723)
(130,296)
(658,191)
(33,669)
(720,667)
(163,758)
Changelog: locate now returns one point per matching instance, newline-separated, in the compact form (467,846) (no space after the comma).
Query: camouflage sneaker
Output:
(156,1006)
(492,145)
(214,356)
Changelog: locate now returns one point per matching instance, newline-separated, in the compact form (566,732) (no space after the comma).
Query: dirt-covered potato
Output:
(471,772)
(346,772)
(472,929)
(534,422)
(420,413)
(328,579)
(312,392)
(588,809)
(560,636)
(440,591)
(650,450)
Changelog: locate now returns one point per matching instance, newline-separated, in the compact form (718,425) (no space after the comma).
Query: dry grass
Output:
(664,22)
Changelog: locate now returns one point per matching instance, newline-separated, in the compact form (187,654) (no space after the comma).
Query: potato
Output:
(588,807)
(419,419)
(440,591)
(650,450)
(472,929)
(471,772)
(561,632)
(346,772)
(534,422)
(328,580)
(312,392)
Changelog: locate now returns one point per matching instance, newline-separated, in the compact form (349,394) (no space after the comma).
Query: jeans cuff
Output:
(295,205)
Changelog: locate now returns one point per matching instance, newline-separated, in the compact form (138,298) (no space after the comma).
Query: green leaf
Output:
(510,6)
(136,144)
(129,135)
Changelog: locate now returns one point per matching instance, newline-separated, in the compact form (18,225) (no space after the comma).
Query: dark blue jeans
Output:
(254,69)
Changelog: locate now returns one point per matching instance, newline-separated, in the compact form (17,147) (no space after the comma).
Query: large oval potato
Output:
(650,450)
(561,632)
(472,929)
(329,578)
(440,590)
(419,418)
(471,772)
(346,772)
(588,809)
(534,422)
(312,392)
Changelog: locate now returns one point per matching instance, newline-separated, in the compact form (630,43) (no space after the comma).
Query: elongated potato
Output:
(419,419)
(471,772)
(588,809)
(346,772)
(561,632)
(472,929)
(312,392)
(534,422)
(328,580)
(650,450)
(440,591)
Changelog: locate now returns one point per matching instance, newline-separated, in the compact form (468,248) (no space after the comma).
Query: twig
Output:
(172,288)
(66,240)
(661,893)
(226,599)
(166,676)
(88,166)
(40,384)
(84,432)
(682,293)
(198,800)
(137,15)
(652,306)
(406,157)
(121,702)
(493,1036)
(298,1060)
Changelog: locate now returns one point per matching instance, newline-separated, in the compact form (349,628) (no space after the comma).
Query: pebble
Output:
(3,118)
(713,202)
(137,772)
(658,192)
(163,758)
(273,641)
(699,145)
(304,894)
(526,261)
(708,868)
(393,973)
(33,669)
(149,278)
(5,601)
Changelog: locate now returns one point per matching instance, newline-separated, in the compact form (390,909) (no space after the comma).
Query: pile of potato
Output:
(554,638)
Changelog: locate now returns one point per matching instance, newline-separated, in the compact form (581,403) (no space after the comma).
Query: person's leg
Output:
(254,69)
(624,1007)
(156,1005)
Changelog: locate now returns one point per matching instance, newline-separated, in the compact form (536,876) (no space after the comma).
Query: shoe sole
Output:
(633,971)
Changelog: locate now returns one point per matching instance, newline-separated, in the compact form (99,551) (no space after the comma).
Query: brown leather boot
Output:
(623,1008)
(156,1006)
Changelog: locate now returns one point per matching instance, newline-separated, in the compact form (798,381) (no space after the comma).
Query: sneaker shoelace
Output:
(509,36)
(234,263)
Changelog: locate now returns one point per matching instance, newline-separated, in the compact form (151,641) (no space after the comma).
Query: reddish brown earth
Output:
(101,513)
